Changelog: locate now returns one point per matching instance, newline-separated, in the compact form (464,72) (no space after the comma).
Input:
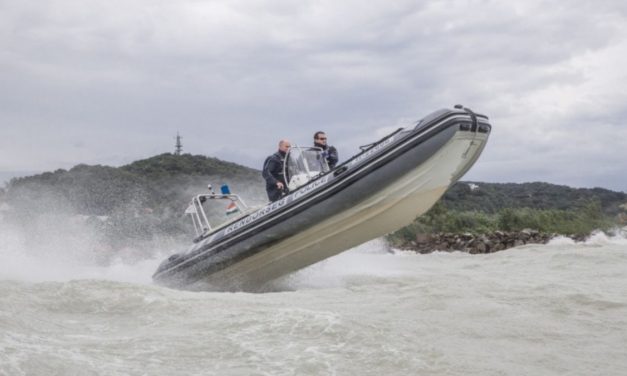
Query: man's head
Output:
(284,145)
(320,138)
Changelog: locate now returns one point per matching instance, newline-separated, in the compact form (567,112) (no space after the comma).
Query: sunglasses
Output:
(322,138)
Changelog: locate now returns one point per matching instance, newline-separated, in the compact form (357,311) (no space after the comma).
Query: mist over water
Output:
(552,309)
(58,251)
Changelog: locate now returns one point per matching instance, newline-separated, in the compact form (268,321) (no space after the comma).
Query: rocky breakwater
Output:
(485,243)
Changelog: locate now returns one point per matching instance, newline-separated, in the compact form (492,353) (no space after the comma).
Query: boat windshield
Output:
(303,164)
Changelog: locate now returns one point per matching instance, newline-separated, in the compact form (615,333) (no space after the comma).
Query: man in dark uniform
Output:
(329,152)
(276,186)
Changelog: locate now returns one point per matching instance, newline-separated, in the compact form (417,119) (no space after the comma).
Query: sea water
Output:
(555,309)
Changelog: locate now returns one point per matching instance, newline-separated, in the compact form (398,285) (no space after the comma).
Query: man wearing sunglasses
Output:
(329,152)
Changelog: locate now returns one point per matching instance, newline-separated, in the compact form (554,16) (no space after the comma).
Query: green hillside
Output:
(155,183)
(492,197)
(167,166)
(145,200)
(135,202)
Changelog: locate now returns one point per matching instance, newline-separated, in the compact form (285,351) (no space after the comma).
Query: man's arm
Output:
(267,168)
(333,157)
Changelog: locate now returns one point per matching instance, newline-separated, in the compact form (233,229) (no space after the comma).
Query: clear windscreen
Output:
(303,164)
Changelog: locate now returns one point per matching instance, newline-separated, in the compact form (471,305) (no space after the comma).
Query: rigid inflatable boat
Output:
(377,191)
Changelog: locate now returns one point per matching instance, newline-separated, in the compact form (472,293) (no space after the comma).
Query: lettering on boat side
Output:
(276,205)
(310,187)
(256,215)
(372,151)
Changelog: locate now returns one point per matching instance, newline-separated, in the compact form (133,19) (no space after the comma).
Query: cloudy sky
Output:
(112,81)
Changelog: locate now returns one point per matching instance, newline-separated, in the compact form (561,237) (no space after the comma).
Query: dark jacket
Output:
(273,173)
(330,153)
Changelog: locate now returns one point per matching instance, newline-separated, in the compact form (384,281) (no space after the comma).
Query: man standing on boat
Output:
(276,187)
(329,152)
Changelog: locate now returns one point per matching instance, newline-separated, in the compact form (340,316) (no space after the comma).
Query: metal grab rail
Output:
(197,212)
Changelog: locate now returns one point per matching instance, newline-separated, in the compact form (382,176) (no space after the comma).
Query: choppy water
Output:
(558,309)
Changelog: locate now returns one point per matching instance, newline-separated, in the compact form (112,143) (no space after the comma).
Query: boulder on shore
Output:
(474,244)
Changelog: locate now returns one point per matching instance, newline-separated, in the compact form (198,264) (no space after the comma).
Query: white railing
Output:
(196,211)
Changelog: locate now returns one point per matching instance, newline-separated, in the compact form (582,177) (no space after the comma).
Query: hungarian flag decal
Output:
(232,208)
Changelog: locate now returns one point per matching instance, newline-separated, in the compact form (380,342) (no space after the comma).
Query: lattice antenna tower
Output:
(178,148)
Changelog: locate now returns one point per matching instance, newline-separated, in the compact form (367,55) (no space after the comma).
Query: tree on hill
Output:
(492,197)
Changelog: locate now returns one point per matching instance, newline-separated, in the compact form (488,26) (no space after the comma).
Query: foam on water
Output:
(559,308)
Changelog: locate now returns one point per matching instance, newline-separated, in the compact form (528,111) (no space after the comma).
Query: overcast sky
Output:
(112,81)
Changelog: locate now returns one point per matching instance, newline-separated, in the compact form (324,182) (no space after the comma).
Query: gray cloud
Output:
(120,78)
